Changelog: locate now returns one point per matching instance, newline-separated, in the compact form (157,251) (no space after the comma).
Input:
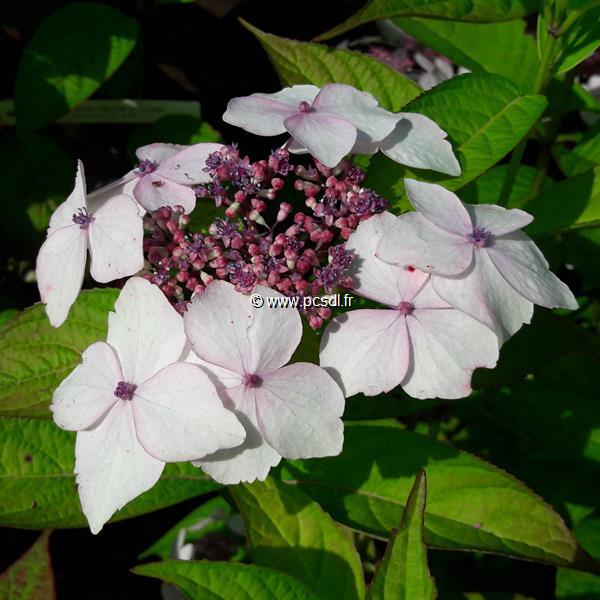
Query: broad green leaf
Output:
(35,357)
(485,117)
(486,188)
(303,62)
(579,41)
(6,315)
(289,532)
(459,10)
(37,483)
(220,580)
(70,55)
(31,577)
(471,504)
(570,204)
(173,129)
(209,517)
(403,573)
(581,158)
(501,48)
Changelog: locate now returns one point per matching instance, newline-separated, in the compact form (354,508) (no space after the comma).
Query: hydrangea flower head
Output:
(419,341)
(288,411)
(113,234)
(481,262)
(327,122)
(135,407)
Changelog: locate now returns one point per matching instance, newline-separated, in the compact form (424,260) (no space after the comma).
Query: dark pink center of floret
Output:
(251,380)
(144,167)
(479,236)
(304,106)
(125,390)
(83,218)
(405,308)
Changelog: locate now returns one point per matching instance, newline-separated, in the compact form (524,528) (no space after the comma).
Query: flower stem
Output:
(541,81)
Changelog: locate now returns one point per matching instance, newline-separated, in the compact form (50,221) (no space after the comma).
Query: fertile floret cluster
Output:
(261,239)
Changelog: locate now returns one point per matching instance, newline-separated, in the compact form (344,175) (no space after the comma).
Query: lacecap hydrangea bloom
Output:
(191,371)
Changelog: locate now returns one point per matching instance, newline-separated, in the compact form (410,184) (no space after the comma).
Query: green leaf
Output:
(403,573)
(6,315)
(31,577)
(459,10)
(486,188)
(485,117)
(70,55)
(220,580)
(37,483)
(173,129)
(500,48)
(303,62)
(471,505)
(212,515)
(289,532)
(570,204)
(579,41)
(35,357)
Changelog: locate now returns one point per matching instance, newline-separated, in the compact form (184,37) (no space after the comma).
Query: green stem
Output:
(541,81)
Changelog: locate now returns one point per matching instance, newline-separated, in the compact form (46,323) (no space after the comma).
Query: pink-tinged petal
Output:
(299,409)
(187,167)
(259,114)
(295,147)
(274,334)
(522,264)
(124,185)
(327,138)
(447,346)
(374,278)
(63,215)
(498,220)
(145,330)
(217,323)
(427,298)
(359,108)
(158,152)
(484,294)
(439,206)
(226,330)
(221,378)
(116,240)
(153,191)
(366,351)
(420,143)
(112,467)
(179,416)
(414,241)
(294,95)
(251,460)
(60,268)
(88,392)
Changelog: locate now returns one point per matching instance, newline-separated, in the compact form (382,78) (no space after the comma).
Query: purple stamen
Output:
(479,236)
(125,390)
(83,218)
(144,167)
(304,106)
(405,308)
(251,380)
